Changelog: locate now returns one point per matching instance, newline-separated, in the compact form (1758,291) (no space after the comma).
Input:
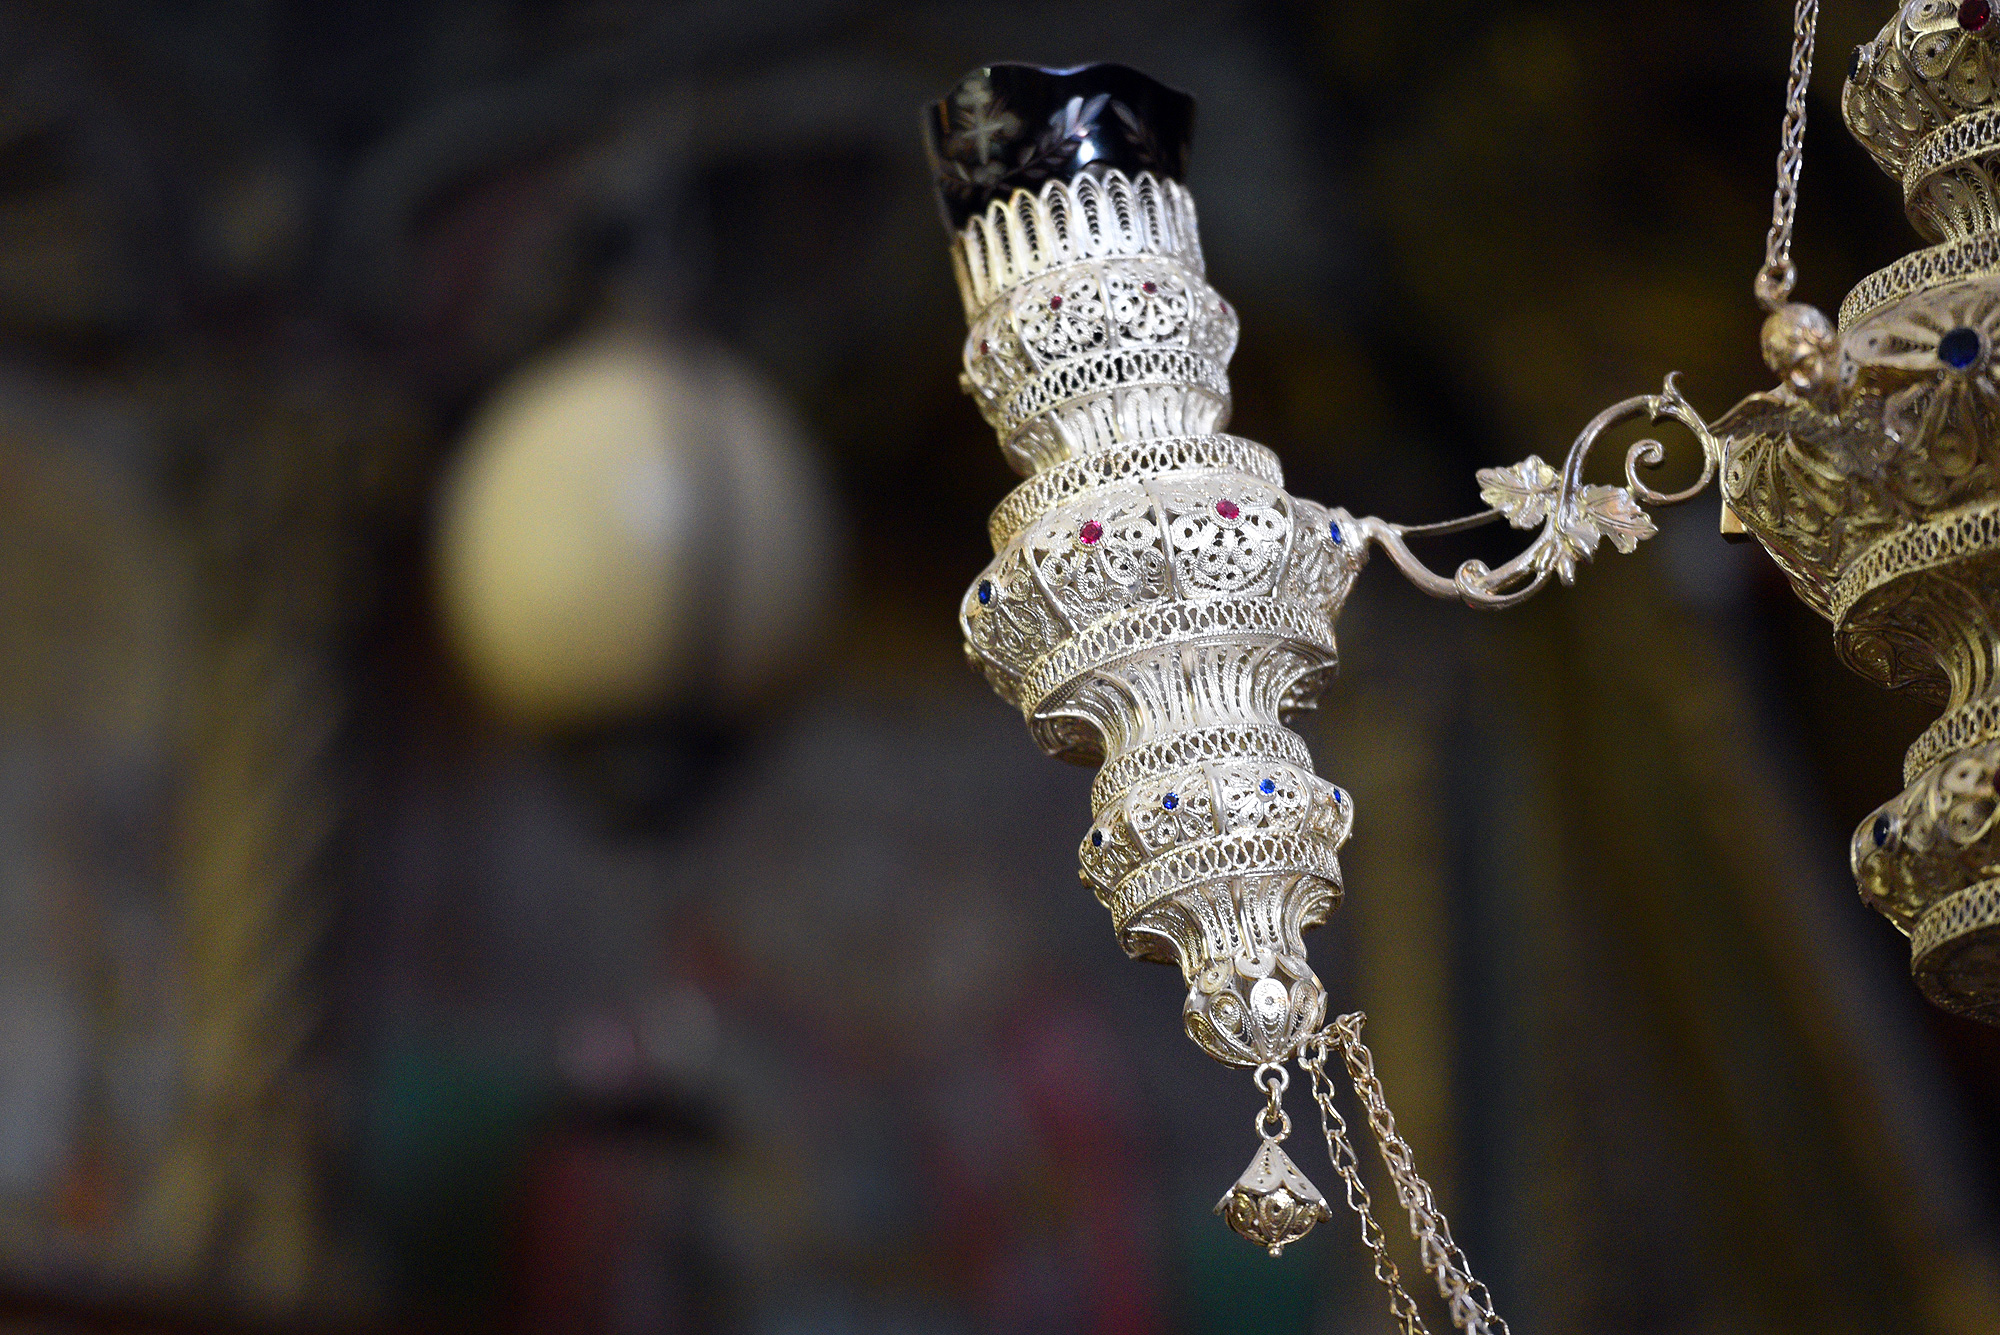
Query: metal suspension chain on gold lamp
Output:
(1160,604)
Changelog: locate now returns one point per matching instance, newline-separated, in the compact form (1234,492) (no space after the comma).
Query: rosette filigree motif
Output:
(1149,304)
(1939,830)
(1097,355)
(1224,544)
(1181,536)
(1063,316)
(1908,431)
(1921,70)
(1161,816)
(1940,401)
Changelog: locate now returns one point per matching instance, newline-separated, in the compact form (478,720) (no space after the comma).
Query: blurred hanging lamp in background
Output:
(1160,605)
(576,555)
(578,570)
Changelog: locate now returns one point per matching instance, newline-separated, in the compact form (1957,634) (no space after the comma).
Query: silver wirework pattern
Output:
(1470,1304)
(1348,1164)
(1977,905)
(1974,723)
(1776,278)
(1960,260)
(1945,540)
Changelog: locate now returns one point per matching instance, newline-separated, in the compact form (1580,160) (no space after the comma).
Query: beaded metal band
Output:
(1323,812)
(1935,542)
(1182,749)
(1973,723)
(1121,368)
(1137,629)
(1246,852)
(1950,145)
(1953,262)
(1148,458)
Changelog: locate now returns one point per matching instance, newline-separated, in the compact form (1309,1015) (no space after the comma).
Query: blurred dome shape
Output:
(632,526)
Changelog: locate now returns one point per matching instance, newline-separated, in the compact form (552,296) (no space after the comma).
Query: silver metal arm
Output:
(1574,516)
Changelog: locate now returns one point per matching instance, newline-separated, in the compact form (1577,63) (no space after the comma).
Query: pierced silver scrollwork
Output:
(1574,516)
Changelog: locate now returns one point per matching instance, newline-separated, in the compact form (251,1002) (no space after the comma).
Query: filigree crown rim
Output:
(1094,216)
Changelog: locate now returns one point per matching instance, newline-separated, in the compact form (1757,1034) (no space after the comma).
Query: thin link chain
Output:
(1775,279)
(1470,1304)
(1348,1164)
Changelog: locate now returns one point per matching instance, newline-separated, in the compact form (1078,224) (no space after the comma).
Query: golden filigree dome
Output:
(1924,100)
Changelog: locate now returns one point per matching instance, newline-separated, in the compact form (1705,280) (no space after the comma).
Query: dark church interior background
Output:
(496,832)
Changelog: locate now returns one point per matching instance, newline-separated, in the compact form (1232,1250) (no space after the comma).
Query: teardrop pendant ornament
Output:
(1273,1203)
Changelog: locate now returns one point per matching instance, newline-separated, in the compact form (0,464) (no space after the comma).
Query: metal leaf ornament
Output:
(1522,493)
(1613,512)
(1530,493)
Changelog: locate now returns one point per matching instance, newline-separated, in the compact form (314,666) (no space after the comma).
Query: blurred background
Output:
(496,834)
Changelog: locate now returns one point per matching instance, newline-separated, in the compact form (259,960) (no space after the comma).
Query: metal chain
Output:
(1348,1164)
(1775,279)
(1274,1084)
(1470,1303)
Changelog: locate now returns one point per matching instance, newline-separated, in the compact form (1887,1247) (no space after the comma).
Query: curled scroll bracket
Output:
(1574,517)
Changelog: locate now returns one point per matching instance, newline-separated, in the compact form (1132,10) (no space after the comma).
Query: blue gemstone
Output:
(1097,838)
(1883,827)
(1267,787)
(985,591)
(1338,797)
(1334,530)
(1170,801)
(1959,348)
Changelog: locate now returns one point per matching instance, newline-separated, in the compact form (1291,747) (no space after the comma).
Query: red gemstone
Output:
(1055,303)
(1090,533)
(1227,509)
(1974,15)
(1149,288)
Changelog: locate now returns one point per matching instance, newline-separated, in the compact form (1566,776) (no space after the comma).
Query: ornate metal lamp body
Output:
(1872,476)
(1159,603)
(1157,600)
